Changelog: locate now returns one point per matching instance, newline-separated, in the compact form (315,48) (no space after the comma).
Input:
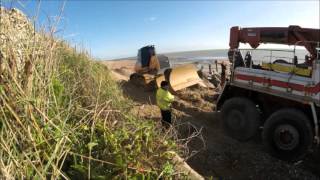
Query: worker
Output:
(164,101)
(248,60)
(223,73)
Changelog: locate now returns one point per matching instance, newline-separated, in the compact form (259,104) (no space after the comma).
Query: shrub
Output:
(63,116)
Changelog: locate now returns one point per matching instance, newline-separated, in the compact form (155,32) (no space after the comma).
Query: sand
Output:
(213,154)
(121,69)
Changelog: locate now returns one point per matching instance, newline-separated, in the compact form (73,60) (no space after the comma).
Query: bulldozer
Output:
(151,69)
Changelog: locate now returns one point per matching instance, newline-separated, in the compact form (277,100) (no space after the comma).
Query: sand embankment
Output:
(121,69)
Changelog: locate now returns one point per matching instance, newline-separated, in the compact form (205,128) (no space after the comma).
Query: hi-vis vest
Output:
(164,99)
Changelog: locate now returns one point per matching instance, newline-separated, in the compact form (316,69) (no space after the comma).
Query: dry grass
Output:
(62,116)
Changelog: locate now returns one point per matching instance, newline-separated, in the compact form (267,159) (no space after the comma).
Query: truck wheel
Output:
(287,134)
(240,118)
(280,61)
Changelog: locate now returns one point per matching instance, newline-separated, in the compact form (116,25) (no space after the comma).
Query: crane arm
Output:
(292,35)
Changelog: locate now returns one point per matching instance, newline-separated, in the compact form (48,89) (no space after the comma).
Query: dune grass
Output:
(62,116)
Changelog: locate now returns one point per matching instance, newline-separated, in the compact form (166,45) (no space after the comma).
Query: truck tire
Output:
(240,118)
(280,61)
(287,134)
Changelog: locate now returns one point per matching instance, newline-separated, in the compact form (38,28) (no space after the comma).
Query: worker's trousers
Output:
(166,116)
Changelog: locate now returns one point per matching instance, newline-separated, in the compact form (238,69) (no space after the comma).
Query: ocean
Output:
(197,56)
(203,58)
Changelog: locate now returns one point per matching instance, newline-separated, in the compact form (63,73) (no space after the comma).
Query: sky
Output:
(117,29)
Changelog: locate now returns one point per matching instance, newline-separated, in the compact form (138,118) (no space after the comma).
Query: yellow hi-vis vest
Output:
(164,99)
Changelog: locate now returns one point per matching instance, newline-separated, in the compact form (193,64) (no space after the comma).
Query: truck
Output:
(274,94)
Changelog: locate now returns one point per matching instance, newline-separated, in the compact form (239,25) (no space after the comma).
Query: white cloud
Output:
(71,35)
(151,19)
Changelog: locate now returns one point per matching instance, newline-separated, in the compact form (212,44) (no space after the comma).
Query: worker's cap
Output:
(164,83)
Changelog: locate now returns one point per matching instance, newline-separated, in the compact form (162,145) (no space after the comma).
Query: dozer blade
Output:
(181,77)
(159,80)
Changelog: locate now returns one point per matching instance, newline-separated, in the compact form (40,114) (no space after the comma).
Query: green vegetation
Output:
(63,116)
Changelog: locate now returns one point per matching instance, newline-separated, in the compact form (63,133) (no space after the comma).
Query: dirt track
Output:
(221,156)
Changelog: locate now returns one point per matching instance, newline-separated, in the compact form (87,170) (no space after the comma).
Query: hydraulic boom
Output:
(292,35)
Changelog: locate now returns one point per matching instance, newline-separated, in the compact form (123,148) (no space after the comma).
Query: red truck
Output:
(280,95)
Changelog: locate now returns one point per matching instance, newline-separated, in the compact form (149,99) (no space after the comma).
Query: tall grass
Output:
(62,116)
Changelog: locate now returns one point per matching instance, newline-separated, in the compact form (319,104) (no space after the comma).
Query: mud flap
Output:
(181,77)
